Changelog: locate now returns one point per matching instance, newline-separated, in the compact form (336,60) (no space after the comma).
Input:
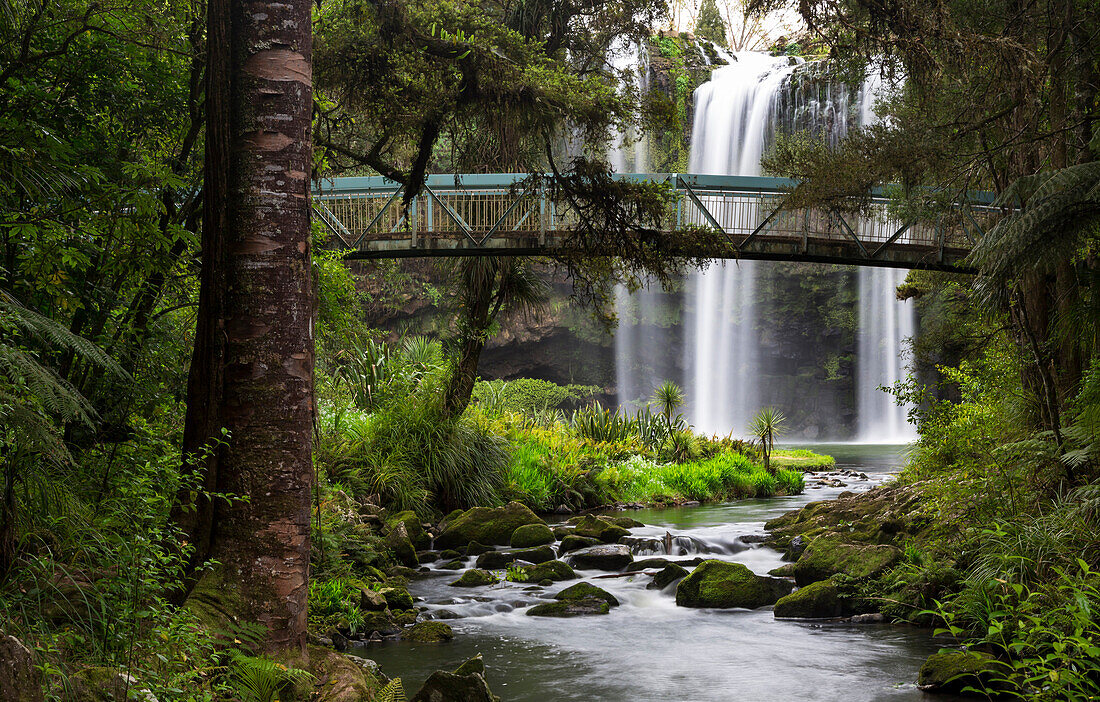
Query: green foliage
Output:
(258,679)
(529,395)
(335,601)
(599,424)
(709,24)
(768,424)
(392,692)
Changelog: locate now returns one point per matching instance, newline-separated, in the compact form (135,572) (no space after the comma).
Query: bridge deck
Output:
(504,214)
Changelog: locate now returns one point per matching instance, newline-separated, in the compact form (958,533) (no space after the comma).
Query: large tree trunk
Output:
(252,369)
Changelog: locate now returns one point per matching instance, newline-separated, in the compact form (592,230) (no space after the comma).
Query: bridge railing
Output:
(510,211)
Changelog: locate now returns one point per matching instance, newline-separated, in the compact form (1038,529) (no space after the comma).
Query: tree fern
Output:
(392,692)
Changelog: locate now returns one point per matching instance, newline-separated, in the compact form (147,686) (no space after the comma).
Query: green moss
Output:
(475,578)
(429,632)
(724,585)
(829,554)
(599,528)
(486,525)
(820,600)
(571,608)
(397,597)
(551,570)
(951,671)
(530,535)
(493,560)
(583,590)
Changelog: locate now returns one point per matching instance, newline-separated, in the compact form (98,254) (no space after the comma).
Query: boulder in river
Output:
(580,607)
(486,525)
(612,557)
(667,575)
(475,578)
(828,555)
(649,563)
(397,597)
(456,564)
(599,528)
(572,542)
(495,560)
(476,549)
(530,535)
(950,672)
(820,600)
(551,570)
(465,684)
(723,585)
(584,590)
(429,632)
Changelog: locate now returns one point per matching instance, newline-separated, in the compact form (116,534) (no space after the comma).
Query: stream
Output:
(650,649)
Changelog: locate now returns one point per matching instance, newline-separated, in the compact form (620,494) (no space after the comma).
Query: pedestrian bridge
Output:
(514,215)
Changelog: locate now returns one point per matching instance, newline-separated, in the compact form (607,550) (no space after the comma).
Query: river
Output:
(650,649)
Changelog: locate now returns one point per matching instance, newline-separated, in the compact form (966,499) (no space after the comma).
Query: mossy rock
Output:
(561,531)
(486,525)
(475,578)
(666,576)
(20,680)
(420,538)
(103,685)
(397,597)
(583,590)
(456,564)
(572,542)
(723,585)
(820,600)
(429,632)
(551,570)
(385,623)
(442,686)
(599,528)
(336,677)
(398,541)
(624,521)
(580,607)
(406,618)
(610,557)
(372,600)
(449,518)
(450,554)
(530,535)
(828,555)
(650,563)
(476,549)
(951,671)
(784,571)
(495,560)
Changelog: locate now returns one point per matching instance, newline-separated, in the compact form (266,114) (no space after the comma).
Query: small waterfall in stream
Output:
(725,309)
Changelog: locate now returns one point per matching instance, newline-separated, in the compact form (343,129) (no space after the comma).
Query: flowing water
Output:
(649,649)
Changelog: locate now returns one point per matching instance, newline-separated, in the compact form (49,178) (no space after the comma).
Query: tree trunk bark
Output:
(252,368)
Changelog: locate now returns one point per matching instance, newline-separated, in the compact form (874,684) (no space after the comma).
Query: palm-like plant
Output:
(668,398)
(767,425)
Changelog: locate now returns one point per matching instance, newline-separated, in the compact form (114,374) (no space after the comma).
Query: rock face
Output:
(493,560)
(827,555)
(486,526)
(599,528)
(667,575)
(475,578)
(820,600)
(530,535)
(724,585)
(429,632)
(580,607)
(19,679)
(952,671)
(611,557)
(466,684)
(583,590)
(551,570)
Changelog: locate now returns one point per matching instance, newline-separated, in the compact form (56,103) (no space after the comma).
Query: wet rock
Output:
(466,684)
(445,614)
(570,608)
(384,623)
(397,597)
(724,585)
(753,538)
(530,535)
(561,532)
(413,528)
(551,570)
(338,678)
(486,525)
(427,556)
(494,560)
(828,555)
(784,571)
(449,554)
(667,575)
(406,618)
(952,671)
(690,503)
(428,632)
(624,521)
(871,618)
(457,564)
(371,600)
(475,578)
(546,582)
(796,548)
(820,600)
(20,680)
(583,590)
(649,563)
(562,509)
(611,557)
(398,541)
(476,549)
(572,542)
(599,528)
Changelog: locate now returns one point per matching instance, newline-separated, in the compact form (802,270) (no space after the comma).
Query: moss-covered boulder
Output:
(105,685)
(951,671)
(666,576)
(398,541)
(486,525)
(579,607)
(583,590)
(466,684)
(397,597)
(624,521)
(530,535)
(456,564)
(611,557)
(384,623)
(336,677)
(475,578)
(476,549)
(415,530)
(494,560)
(20,680)
(724,585)
(555,571)
(820,600)
(372,600)
(828,555)
(572,542)
(599,528)
(650,563)
(450,554)
(428,632)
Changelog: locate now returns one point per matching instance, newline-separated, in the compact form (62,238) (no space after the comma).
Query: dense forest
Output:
(218,476)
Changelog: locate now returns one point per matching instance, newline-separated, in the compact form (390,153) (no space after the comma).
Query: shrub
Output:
(529,395)
(790,482)
(599,424)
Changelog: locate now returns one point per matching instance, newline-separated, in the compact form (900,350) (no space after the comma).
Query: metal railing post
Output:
(413,243)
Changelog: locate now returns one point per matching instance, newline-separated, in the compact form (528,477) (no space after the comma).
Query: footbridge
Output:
(513,215)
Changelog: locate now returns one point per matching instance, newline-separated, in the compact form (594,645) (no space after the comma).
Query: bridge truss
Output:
(512,215)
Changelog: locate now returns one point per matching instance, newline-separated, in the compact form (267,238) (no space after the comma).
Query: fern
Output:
(392,692)
(257,679)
